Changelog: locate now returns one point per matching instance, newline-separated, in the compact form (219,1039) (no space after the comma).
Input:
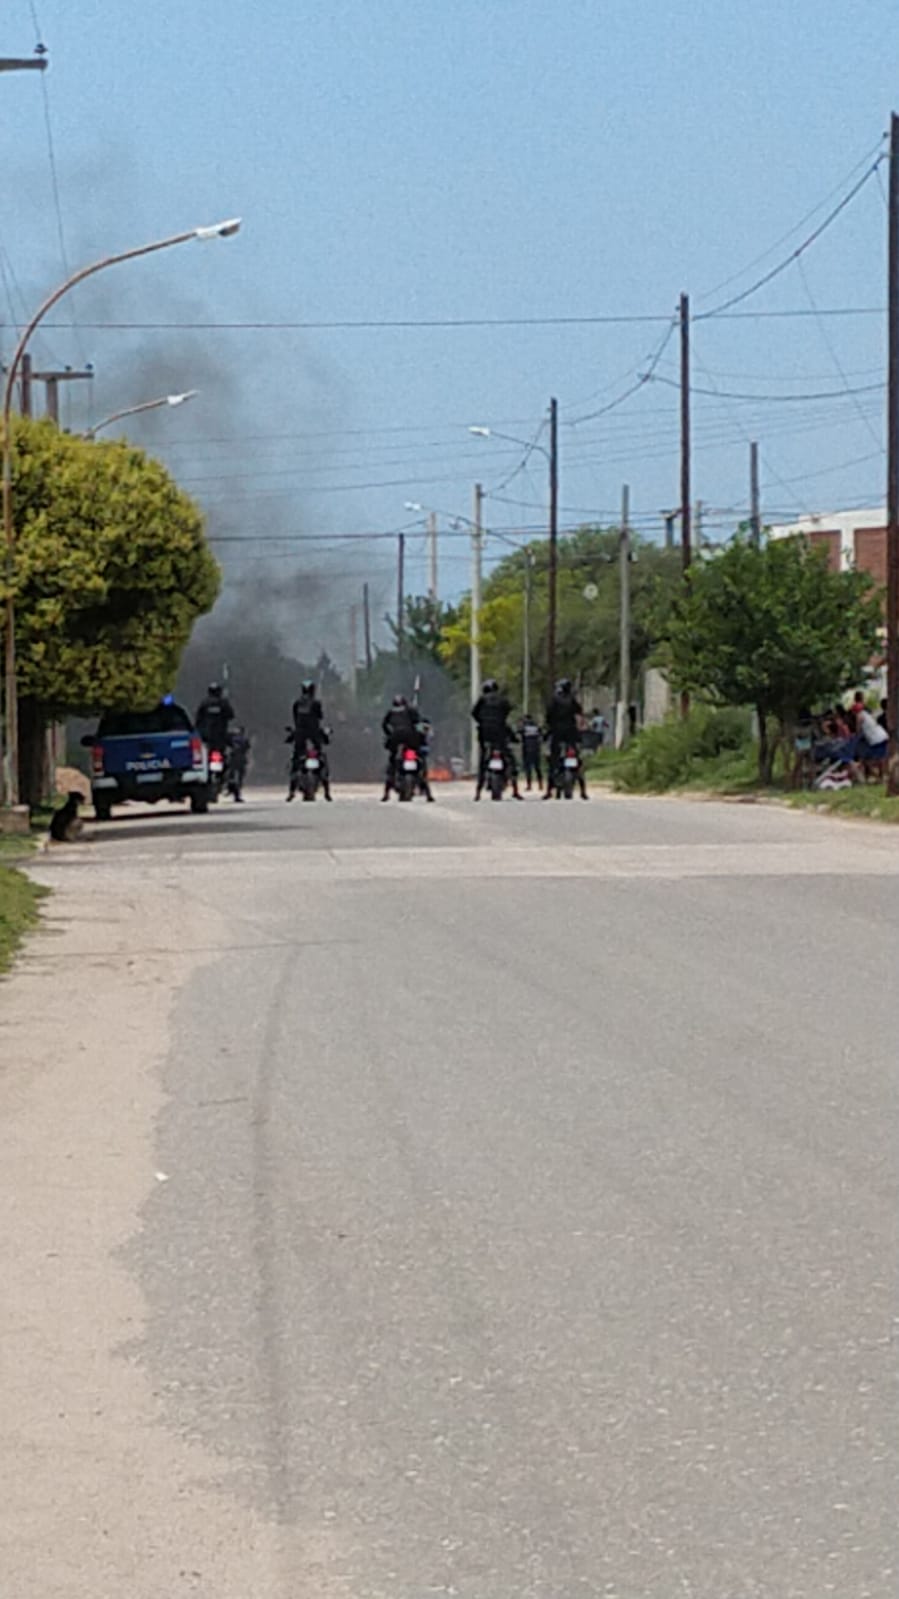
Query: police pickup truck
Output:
(148,756)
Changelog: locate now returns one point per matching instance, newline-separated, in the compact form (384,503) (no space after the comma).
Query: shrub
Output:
(669,755)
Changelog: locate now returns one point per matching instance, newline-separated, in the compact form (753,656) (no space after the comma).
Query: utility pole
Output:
(755,513)
(622,721)
(366,625)
(893,450)
(400,593)
(52,381)
(476,541)
(553,572)
(354,653)
(526,633)
(685,485)
(432,555)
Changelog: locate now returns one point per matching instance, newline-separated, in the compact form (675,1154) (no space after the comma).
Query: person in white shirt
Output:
(872,744)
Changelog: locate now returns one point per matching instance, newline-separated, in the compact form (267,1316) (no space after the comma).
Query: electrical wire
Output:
(343,432)
(838,466)
(54,175)
(388,324)
(14,322)
(837,189)
(766,463)
(831,350)
(344,538)
(522,465)
(772,399)
(617,430)
(642,379)
(768,277)
(19,321)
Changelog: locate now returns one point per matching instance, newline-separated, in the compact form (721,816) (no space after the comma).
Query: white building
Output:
(853,539)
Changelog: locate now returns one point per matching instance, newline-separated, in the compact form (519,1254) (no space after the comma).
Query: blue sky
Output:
(484,158)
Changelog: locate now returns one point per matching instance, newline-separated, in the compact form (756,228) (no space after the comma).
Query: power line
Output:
(343,538)
(768,277)
(342,432)
(323,465)
(54,171)
(768,467)
(795,377)
(837,189)
(522,465)
(613,432)
(642,379)
(377,323)
(831,350)
(838,466)
(18,322)
(773,399)
(388,324)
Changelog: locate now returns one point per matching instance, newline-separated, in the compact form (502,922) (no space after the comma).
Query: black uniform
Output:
(213,715)
(562,715)
(491,716)
(402,730)
(532,749)
(238,756)
(308,728)
(308,719)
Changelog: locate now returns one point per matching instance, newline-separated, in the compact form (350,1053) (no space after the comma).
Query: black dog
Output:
(66,825)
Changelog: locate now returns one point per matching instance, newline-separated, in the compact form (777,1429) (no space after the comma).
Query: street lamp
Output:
(413,505)
(552,459)
(35,63)
(134,410)
(218,230)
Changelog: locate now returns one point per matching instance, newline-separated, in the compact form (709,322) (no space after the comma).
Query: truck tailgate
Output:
(129,756)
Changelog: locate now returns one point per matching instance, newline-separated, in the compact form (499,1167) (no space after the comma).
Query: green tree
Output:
(772,627)
(424,622)
(587,633)
(111,570)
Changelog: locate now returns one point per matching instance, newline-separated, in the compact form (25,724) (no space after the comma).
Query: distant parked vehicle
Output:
(148,756)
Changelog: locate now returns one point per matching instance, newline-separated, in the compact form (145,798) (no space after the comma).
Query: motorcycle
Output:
(567,773)
(497,774)
(307,771)
(216,776)
(306,776)
(406,773)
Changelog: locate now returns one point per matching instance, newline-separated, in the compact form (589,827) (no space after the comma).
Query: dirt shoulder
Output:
(97,1497)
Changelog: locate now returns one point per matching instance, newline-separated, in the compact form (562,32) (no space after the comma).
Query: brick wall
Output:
(831,542)
(871,552)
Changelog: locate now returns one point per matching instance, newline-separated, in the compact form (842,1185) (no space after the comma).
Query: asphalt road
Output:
(526,1225)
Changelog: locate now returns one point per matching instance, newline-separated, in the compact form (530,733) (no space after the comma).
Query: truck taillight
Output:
(196,751)
(97,760)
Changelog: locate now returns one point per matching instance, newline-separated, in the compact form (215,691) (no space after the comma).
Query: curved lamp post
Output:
(135,410)
(219,230)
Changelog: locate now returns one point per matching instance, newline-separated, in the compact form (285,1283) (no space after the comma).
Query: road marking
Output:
(842,858)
